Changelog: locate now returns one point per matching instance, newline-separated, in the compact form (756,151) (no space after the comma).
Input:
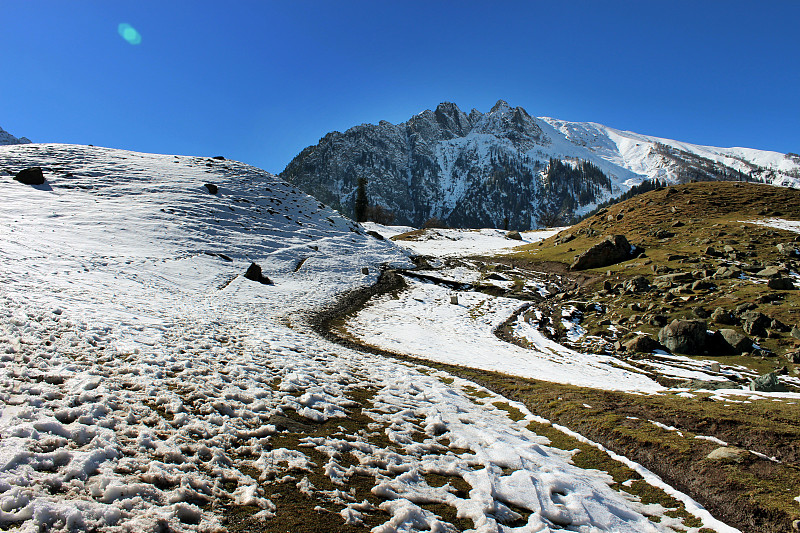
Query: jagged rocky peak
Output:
(507,168)
(7,138)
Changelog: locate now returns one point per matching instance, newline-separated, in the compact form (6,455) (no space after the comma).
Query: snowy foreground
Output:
(141,376)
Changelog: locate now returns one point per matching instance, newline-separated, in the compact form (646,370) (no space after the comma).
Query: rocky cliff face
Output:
(7,138)
(504,168)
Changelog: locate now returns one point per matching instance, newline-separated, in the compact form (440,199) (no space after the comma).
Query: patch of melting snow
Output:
(712,439)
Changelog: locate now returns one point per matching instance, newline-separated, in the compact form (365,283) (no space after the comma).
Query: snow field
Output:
(422,322)
(144,382)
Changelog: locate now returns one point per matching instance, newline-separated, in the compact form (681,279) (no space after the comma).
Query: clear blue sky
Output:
(258,81)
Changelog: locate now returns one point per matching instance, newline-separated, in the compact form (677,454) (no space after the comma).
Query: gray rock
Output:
(212,189)
(675,277)
(637,284)
(684,336)
(702,285)
(696,384)
(768,383)
(610,251)
(721,316)
(793,357)
(514,235)
(643,344)
(727,273)
(737,341)
(728,454)
(780,284)
(771,272)
(795,332)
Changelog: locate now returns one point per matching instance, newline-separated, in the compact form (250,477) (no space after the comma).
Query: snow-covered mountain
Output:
(506,168)
(7,138)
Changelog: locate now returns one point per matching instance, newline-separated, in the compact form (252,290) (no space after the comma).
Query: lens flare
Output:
(129,33)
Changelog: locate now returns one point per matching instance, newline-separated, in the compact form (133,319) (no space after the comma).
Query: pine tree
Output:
(361,201)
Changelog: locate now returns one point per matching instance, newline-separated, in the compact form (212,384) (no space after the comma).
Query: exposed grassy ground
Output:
(699,216)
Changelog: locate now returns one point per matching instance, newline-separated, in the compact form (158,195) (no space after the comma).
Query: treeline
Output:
(567,188)
(643,187)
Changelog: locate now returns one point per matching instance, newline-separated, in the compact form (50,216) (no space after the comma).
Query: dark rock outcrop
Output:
(213,189)
(254,274)
(738,342)
(610,251)
(30,176)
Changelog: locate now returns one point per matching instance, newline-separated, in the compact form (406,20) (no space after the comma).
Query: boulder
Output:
(795,332)
(738,342)
(702,285)
(563,238)
(211,188)
(612,250)
(675,277)
(30,176)
(514,235)
(637,284)
(701,384)
(780,284)
(375,235)
(684,336)
(728,272)
(721,316)
(643,344)
(768,383)
(728,454)
(787,249)
(755,323)
(793,357)
(771,272)
(254,274)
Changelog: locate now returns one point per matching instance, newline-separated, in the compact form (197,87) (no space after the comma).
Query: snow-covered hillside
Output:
(497,169)
(146,385)
(665,159)
(7,138)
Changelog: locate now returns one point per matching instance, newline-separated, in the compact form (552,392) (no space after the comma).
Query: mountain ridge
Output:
(7,139)
(499,168)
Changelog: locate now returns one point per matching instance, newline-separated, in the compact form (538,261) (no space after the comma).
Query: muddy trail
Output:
(738,492)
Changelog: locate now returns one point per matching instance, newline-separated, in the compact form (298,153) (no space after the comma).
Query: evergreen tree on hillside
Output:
(361,203)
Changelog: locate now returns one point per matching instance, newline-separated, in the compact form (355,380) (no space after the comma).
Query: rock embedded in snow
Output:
(212,189)
(30,176)
(254,274)
(767,383)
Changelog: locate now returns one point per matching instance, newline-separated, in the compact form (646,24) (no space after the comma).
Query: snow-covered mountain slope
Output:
(674,161)
(506,168)
(7,138)
(146,385)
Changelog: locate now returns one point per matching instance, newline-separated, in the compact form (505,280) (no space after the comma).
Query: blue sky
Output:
(258,81)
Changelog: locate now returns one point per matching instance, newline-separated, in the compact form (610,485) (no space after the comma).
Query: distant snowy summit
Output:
(7,138)
(505,168)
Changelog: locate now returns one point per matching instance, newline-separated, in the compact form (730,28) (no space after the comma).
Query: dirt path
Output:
(742,494)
